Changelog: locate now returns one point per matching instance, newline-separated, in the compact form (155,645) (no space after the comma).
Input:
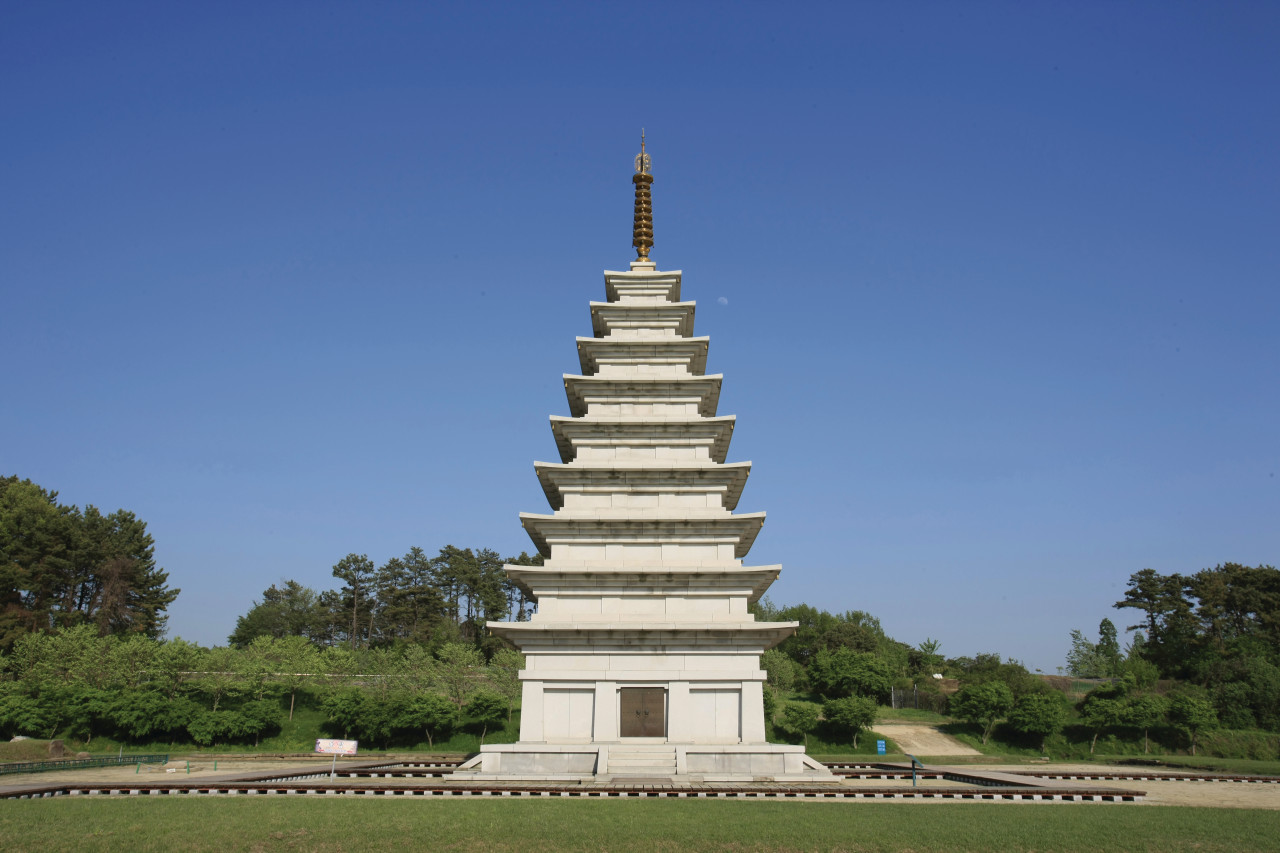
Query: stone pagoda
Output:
(642,659)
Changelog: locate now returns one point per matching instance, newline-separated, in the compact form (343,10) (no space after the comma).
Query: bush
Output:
(1039,715)
(983,704)
(850,716)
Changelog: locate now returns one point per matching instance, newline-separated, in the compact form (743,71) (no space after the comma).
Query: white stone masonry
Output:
(642,643)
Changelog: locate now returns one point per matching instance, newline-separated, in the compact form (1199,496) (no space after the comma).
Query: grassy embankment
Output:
(264,824)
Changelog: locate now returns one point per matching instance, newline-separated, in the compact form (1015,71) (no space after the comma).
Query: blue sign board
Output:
(880,747)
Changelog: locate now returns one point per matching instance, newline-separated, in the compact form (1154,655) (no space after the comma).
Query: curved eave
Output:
(692,351)
(643,431)
(650,478)
(740,530)
(704,390)
(624,635)
(531,578)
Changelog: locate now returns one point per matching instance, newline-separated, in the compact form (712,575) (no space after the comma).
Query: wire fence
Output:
(913,697)
(81,763)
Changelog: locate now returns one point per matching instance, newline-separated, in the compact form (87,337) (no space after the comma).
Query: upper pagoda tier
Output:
(609,357)
(643,437)
(642,283)
(639,394)
(639,319)
(643,487)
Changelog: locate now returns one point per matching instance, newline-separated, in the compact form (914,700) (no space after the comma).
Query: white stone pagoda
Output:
(642,659)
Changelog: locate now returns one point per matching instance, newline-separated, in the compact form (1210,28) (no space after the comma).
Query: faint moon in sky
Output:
(723,300)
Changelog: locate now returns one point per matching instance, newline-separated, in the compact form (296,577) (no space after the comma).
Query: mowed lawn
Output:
(323,823)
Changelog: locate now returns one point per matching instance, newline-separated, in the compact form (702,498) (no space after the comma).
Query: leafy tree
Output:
(850,715)
(297,662)
(770,706)
(458,670)
(430,712)
(79,709)
(1145,711)
(806,641)
(780,670)
(983,704)
(173,664)
(60,567)
(130,661)
(357,573)
(208,727)
(486,709)
(504,676)
(1108,649)
(150,713)
(518,602)
(844,672)
(1082,660)
(1101,660)
(928,659)
(345,709)
(1136,666)
(20,714)
(1041,714)
(989,667)
(1191,712)
(1101,710)
(218,677)
(1169,622)
(801,718)
(289,610)
(260,717)
(410,604)
(1263,678)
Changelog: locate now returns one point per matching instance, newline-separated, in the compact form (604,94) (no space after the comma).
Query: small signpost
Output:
(880,750)
(335,748)
(915,763)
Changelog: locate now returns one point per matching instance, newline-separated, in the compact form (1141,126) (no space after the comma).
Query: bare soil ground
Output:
(923,740)
(1225,795)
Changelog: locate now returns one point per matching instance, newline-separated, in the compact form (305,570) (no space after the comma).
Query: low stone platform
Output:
(605,763)
(384,779)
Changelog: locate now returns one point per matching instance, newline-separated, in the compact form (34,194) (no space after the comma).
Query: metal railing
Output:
(81,763)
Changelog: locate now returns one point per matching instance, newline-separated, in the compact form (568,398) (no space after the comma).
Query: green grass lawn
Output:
(262,824)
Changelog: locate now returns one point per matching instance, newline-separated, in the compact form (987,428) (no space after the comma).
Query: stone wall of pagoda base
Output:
(708,763)
(703,710)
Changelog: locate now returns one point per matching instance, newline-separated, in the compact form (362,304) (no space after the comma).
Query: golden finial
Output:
(642,228)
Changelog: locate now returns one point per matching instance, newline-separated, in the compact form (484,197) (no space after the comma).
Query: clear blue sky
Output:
(993,286)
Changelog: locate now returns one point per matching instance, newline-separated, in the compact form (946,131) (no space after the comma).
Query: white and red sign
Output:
(337,747)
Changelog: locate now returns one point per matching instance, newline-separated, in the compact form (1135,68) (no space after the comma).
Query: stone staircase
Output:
(642,760)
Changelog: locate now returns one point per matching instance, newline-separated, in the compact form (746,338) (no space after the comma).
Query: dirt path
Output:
(923,740)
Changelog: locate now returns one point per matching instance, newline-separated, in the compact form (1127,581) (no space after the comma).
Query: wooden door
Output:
(643,712)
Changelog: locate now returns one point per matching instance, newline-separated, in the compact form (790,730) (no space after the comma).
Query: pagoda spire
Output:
(642,229)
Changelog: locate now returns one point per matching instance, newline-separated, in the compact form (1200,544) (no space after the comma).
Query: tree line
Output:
(1205,656)
(79,684)
(62,566)
(414,599)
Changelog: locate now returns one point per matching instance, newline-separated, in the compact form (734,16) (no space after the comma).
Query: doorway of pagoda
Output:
(643,712)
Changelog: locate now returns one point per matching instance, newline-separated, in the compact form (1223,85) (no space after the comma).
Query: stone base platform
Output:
(618,762)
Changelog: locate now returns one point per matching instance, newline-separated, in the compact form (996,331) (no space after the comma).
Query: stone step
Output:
(652,760)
